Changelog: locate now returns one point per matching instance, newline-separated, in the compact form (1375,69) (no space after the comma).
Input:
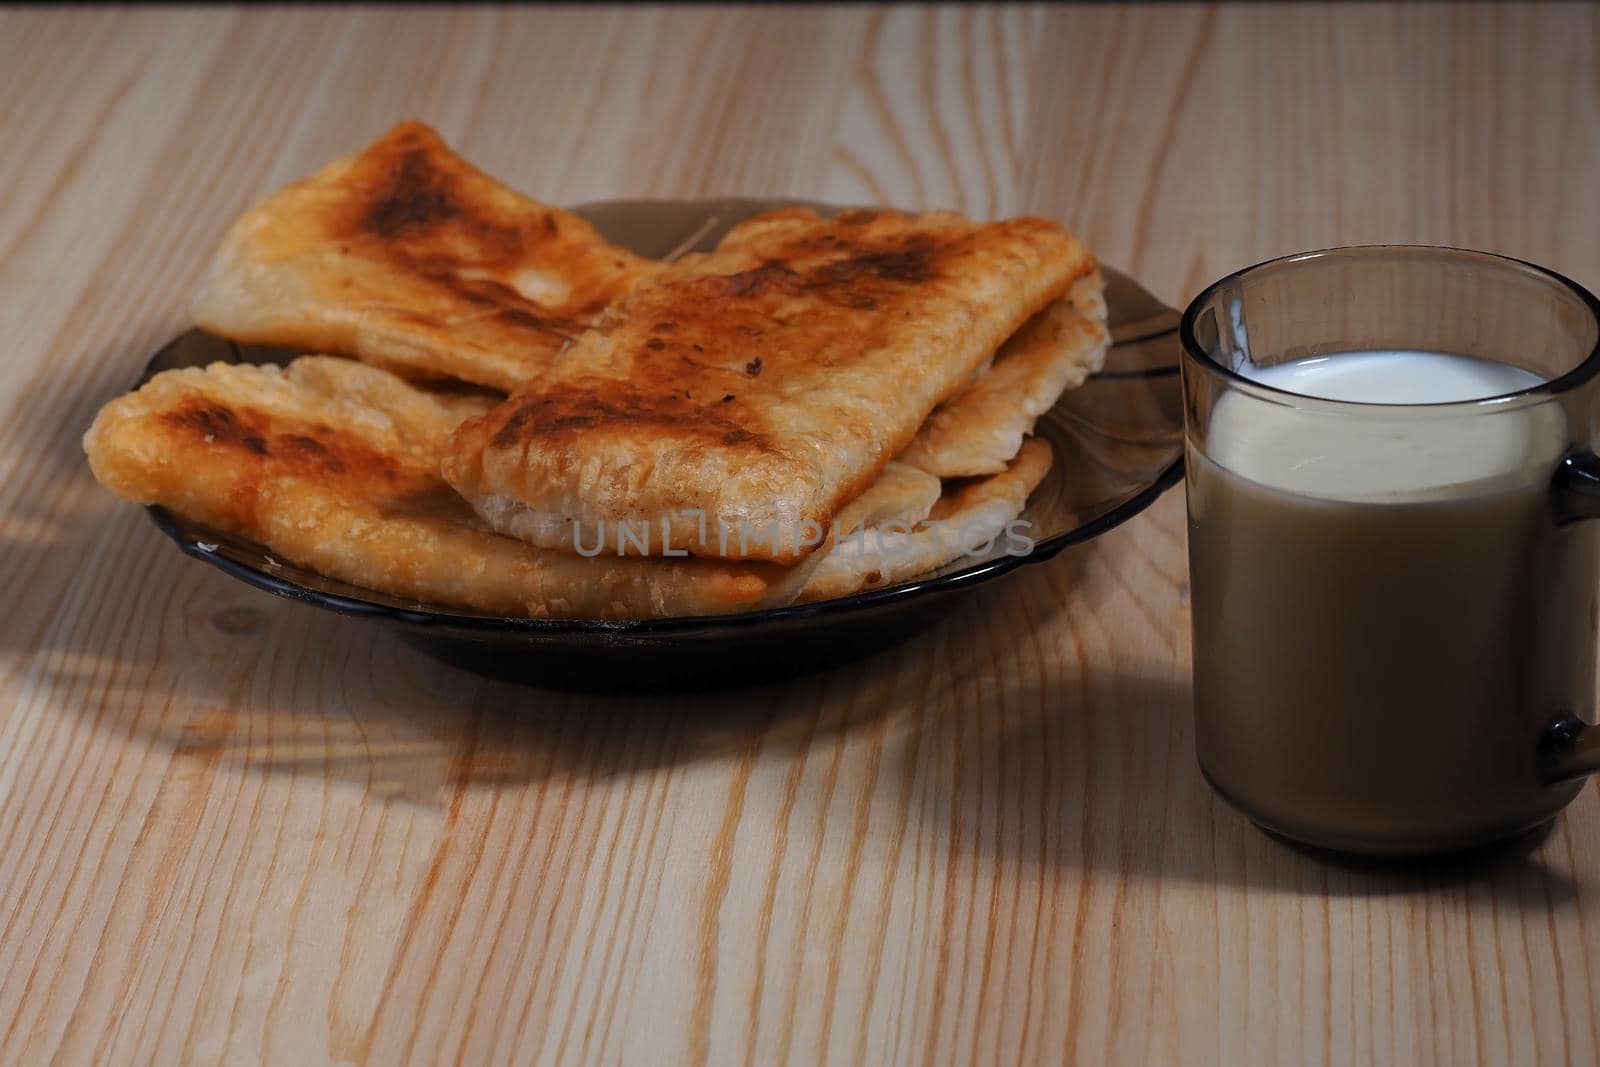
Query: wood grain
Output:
(233,829)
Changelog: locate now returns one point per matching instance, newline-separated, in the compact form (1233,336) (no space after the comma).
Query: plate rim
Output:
(1043,551)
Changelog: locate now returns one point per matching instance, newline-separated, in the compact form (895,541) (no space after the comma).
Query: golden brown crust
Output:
(901,493)
(334,465)
(981,428)
(406,256)
(764,384)
(969,515)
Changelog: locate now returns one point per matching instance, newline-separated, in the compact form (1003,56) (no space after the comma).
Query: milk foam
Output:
(1383,452)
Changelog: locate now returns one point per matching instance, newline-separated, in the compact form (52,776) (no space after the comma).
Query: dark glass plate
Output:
(1118,443)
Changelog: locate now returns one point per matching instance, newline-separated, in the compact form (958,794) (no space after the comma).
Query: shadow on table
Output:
(183,658)
(1105,774)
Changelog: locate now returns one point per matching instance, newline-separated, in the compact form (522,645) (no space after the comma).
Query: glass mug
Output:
(1395,606)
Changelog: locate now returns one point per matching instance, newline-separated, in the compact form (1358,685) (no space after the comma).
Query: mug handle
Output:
(1570,747)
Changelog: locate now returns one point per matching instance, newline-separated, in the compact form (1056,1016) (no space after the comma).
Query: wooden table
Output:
(234,829)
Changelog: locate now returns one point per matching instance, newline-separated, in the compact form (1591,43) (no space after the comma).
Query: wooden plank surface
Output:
(234,829)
